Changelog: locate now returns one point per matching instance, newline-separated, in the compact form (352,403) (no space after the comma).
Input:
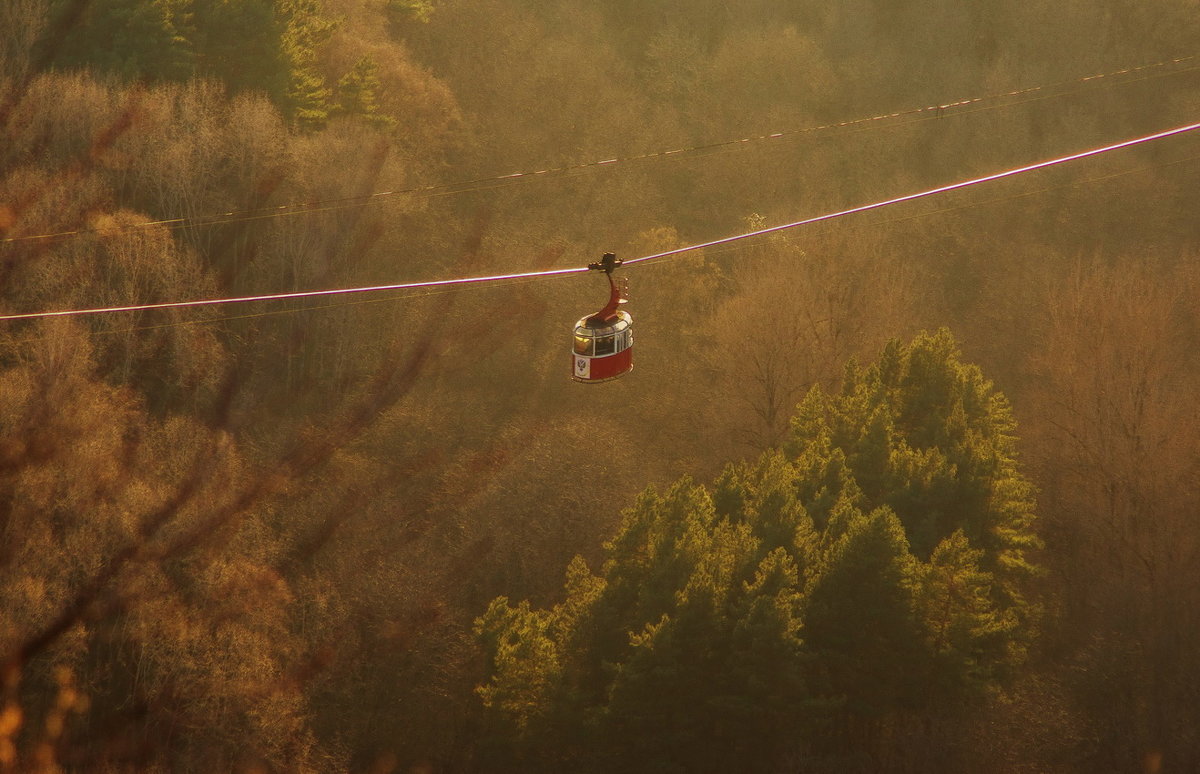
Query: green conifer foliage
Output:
(308,97)
(860,619)
(523,660)
(268,46)
(239,42)
(133,39)
(810,605)
(401,11)
(357,91)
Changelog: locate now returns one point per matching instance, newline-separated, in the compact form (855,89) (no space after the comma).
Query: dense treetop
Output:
(868,576)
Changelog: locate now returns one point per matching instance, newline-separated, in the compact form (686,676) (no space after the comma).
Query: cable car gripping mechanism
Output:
(606,264)
(618,292)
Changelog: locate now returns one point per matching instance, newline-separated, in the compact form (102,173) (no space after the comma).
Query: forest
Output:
(916,489)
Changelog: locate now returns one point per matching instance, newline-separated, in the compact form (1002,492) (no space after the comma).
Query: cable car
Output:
(604,341)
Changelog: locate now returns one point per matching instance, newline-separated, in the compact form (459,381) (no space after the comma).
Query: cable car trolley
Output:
(604,340)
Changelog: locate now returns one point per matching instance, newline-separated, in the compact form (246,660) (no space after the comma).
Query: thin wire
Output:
(487,183)
(298,294)
(265,313)
(528,280)
(922,194)
(999,199)
(634,261)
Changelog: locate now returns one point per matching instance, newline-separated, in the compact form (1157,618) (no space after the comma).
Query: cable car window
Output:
(606,345)
(583,345)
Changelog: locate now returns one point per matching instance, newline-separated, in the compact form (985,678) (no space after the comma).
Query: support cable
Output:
(1013,172)
(968,105)
(922,194)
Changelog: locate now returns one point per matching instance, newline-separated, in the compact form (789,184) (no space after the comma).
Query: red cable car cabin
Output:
(604,340)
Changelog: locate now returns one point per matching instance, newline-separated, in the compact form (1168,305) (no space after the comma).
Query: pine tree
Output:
(861,622)
(868,576)
(307,96)
(357,91)
(132,39)
(929,437)
(400,11)
(240,43)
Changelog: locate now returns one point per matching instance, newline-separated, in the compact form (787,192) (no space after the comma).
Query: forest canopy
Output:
(812,605)
(386,532)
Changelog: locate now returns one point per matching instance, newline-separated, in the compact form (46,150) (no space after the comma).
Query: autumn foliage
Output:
(912,490)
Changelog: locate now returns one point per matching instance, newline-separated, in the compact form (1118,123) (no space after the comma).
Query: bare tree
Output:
(1115,445)
(798,314)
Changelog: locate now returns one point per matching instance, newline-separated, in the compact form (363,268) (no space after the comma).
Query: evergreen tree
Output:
(307,97)
(400,11)
(240,43)
(269,46)
(810,605)
(357,91)
(132,39)
(929,437)
(861,624)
